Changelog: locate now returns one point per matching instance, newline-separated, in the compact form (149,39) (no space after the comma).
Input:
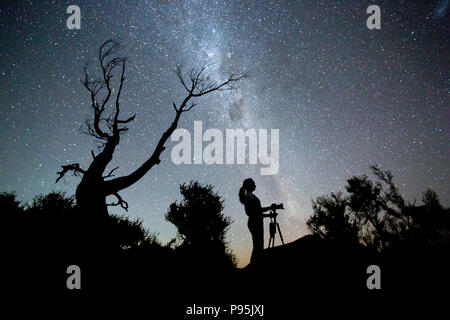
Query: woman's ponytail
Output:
(247,186)
(242,194)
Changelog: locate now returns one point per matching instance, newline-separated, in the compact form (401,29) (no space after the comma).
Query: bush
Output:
(201,225)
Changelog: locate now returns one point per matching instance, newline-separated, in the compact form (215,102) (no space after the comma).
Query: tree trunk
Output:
(91,198)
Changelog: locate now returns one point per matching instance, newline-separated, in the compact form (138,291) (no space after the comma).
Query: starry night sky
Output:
(344,97)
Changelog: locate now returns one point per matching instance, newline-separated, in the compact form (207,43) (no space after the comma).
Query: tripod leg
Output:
(279,231)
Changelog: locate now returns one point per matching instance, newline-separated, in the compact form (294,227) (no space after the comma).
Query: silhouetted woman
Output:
(255,215)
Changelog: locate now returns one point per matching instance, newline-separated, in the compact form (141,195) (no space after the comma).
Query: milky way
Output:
(344,97)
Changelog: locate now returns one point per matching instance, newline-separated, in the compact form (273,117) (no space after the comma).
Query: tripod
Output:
(273,227)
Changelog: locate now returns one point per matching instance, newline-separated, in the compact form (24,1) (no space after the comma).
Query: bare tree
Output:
(105,94)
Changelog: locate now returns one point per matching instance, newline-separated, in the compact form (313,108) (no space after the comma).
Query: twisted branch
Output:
(70,167)
(120,202)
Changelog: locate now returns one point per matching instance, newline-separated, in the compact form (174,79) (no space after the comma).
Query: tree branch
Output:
(120,202)
(71,167)
(106,129)
(107,65)
(127,120)
(211,86)
(179,72)
(190,107)
(116,130)
(110,174)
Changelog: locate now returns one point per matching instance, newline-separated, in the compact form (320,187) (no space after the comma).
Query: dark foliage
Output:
(375,214)
(52,220)
(114,252)
(49,234)
(370,224)
(201,225)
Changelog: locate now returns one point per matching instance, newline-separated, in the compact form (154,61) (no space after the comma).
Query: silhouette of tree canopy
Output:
(107,125)
(332,220)
(52,203)
(201,224)
(9,205)
(50,221)
(375,214)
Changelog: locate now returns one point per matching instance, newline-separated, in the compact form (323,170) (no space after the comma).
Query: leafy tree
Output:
(9,204)
(12,215)
(201,224)
(430,221)
(331,219)
(375,214)
(50,222)
(128,234)
(55,202)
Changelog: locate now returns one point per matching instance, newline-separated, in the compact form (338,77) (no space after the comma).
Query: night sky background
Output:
(344,97)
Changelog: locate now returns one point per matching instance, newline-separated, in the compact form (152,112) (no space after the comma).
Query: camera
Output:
(275,206)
